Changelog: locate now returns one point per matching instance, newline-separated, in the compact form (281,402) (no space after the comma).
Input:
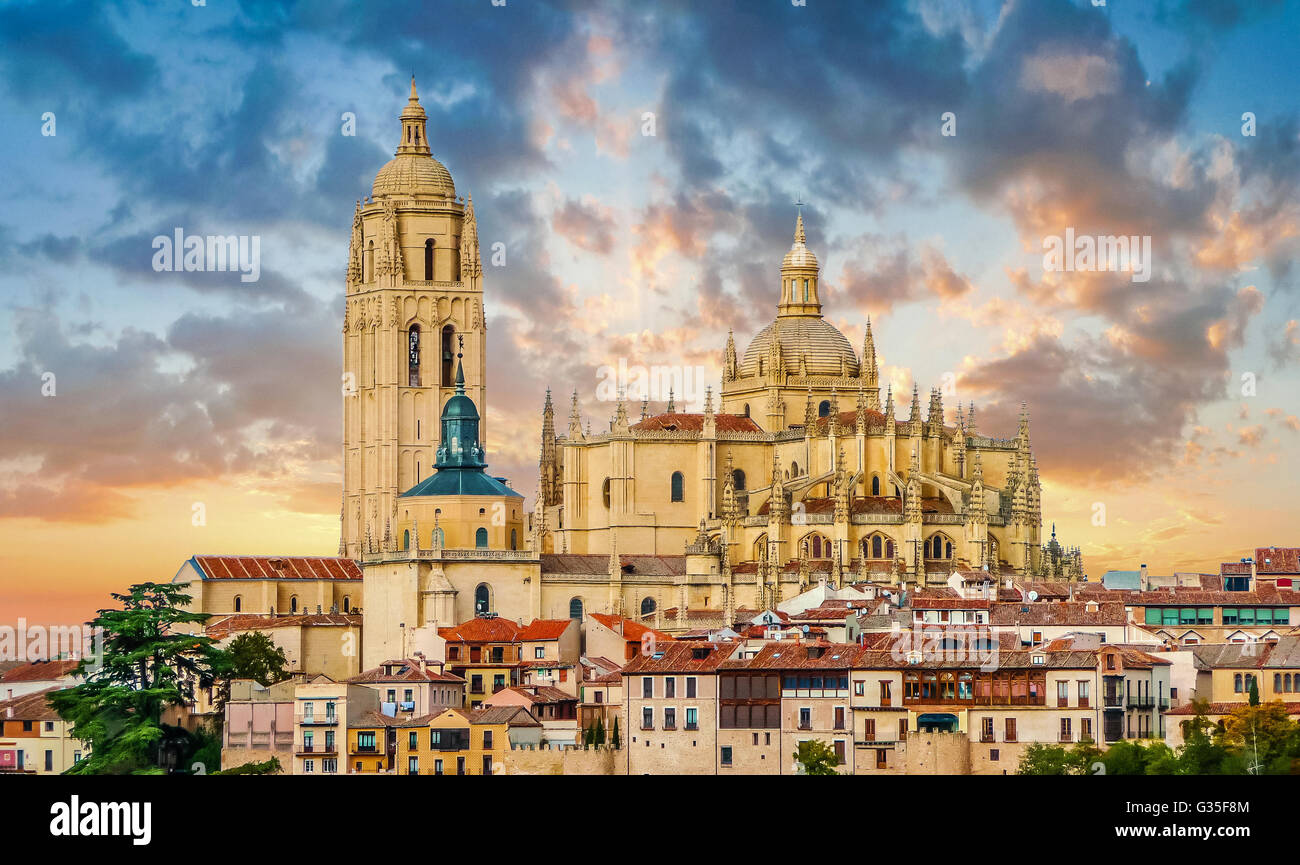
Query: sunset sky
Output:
(180,388)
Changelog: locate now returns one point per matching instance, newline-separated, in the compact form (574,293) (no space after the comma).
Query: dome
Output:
(460,406)
(414,174)
(813,336)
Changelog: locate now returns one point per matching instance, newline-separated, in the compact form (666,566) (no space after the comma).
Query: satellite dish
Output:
(887,593)
(805,629)
(1033,596)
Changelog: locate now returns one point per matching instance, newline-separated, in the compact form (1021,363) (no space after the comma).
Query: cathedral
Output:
(801,473)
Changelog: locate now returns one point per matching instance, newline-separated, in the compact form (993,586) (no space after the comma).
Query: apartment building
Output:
(670,709)
(259,723)
(34,740)
(557,711)
(486,652)
(550,650)
(413,687)
(324,710)
(465,741)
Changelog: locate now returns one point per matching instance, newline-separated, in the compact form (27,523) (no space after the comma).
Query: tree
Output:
(589,735)
(614,740)
(600,731)
(816,758)
(251,655)
(1263,735)
(149,663)
(1045,760)
(1254,691)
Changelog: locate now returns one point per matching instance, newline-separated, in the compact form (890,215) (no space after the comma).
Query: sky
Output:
(639,163)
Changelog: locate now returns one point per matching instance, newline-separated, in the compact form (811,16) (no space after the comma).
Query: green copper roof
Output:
(460,482)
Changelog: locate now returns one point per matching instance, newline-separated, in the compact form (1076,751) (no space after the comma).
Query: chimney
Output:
(1253,574)
(1142,579)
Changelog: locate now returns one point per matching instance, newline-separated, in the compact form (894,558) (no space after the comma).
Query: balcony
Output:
(692,727)
(804,726)
(986,738)
(1113,701)
(1141,701)
(318,720)
(317,750)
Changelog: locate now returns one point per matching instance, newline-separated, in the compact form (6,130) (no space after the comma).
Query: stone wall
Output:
(562,761)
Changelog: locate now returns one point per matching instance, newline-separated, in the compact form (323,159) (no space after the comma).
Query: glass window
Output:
(1153,616)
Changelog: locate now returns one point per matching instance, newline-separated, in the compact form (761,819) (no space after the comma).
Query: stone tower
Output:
(414,286)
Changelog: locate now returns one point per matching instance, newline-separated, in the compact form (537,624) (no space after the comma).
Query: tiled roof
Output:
(544,629)
(1234,568)
(1059,613)
(1283,654)
(800,655)
(680,657)
(1226,708)
(1266,594)
(598,563)
(1277,560)
(514,716)
(950,603)
(373,719)
(542,694)
(408,671)
(40,671)
(276,568)
(695,423)
(482,629)
(29,707)
(255,622)
(631,631)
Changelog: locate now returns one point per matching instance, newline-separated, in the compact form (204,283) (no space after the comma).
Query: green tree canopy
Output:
(149,662)
(816,758)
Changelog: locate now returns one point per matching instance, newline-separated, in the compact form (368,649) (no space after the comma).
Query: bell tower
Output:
(414,292)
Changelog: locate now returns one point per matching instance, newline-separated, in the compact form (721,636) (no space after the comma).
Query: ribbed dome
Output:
(823,344)
(414,174)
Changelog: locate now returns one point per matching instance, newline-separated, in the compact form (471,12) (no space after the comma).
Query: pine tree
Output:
(614,740)
(600,731)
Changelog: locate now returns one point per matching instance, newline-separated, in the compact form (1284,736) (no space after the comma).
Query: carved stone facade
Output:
(414,284)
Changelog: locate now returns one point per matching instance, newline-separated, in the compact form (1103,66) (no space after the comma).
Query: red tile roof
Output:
(950,603)
(1226,708)
(255,622)
(276,568)
(406,671)
(30,707)
(1277,560)
(1059,613)
(481,629)
(544,629)
(631,631)
(40,671)
(695,423)
(680,657)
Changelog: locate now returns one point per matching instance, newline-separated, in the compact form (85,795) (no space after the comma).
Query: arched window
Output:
(575,608)
(806,297)
(448,356)
(794,470)
(875,485)
(514,540)
(406,539)
(293,603)
(480,538)
(482,599)
(760,549)
(413,356)
(647,606)
(877,547)
(1277,682)
(428,260)
(370,262)
(604,492)
(347,604)
(239,603)
(738,479)
(439,538)
(824,409)
(1236,683)
(746,409)
(679,484)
